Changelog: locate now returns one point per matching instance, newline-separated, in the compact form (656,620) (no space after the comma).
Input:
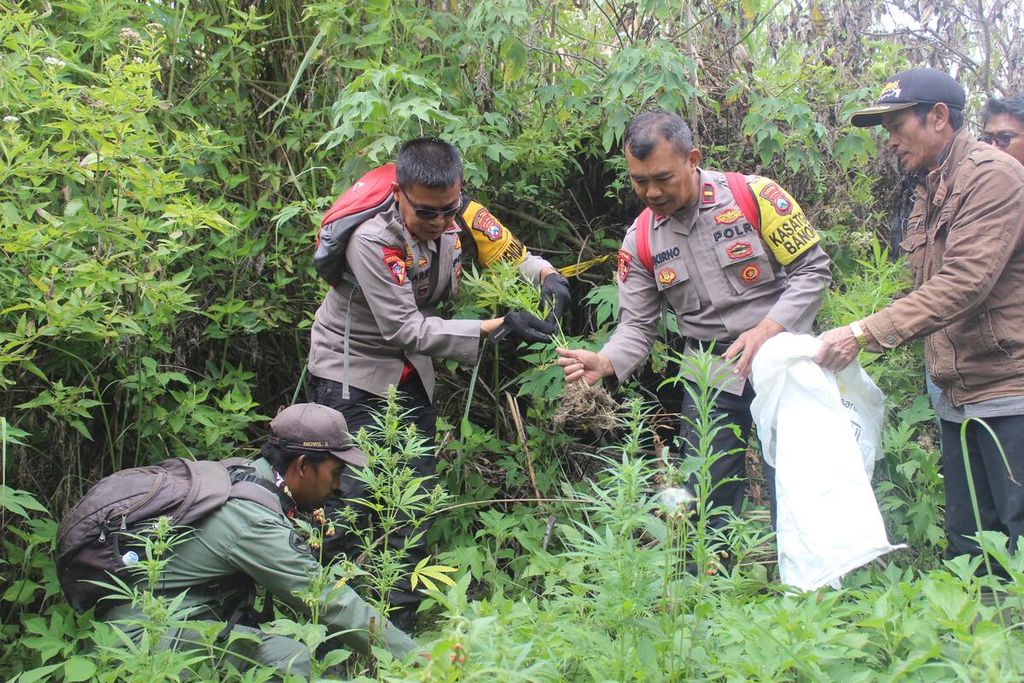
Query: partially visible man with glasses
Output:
(378,326)
(1003,124)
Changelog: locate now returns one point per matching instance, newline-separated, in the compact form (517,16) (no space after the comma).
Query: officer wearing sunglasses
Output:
(1003,124)
(379,326)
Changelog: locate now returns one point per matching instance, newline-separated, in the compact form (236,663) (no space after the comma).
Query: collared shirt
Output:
(383,318)
(719,274)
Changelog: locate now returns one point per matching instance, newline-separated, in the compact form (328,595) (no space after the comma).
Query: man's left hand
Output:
(838,349)
(554,293)
(520,326)
(749,343)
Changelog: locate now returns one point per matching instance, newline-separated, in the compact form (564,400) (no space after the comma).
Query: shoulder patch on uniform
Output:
(667,276)
(625,259)
(394,261)
(774,194)
(729,216)
(785,229)
(298,544)
(487,224)
(708,194)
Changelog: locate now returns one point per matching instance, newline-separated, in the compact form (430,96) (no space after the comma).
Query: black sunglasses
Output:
(430,214)
(1000,140)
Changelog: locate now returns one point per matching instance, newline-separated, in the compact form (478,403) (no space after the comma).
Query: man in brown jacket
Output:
(965,245)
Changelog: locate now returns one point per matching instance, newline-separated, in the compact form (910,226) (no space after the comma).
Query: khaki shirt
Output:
(965,246)
(384,312)
(718,274)
(244,540)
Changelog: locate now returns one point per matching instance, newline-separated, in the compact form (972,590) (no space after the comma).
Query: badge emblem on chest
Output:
(750,274)
(667,276)
(739,250)
(728,216)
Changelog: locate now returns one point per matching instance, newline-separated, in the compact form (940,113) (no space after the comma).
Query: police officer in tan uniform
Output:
(732,284)
(378,326)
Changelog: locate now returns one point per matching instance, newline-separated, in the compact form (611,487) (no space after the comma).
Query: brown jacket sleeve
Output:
(985,232)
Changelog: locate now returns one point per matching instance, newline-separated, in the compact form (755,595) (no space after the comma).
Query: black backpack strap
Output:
(246,484)
(258,492)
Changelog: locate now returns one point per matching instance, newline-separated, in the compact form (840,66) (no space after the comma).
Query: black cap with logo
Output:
(910,88)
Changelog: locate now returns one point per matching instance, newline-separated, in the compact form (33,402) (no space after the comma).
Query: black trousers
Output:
(730,447)
(359,410)
(1000,500)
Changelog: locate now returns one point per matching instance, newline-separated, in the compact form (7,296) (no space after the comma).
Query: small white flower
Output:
(129,35)
(138,60)
(53,61)
(10,119)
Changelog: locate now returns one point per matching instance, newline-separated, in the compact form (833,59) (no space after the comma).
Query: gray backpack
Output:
(94,539)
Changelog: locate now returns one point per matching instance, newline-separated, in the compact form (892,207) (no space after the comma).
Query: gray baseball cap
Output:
(313,427)
(908,89)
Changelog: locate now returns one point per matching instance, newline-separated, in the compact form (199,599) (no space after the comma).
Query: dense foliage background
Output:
(164,168)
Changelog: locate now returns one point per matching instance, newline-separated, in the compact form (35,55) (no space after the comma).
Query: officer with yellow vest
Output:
(378,326)
(733,280)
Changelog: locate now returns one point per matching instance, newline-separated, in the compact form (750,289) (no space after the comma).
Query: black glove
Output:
(554,292)
(521,326)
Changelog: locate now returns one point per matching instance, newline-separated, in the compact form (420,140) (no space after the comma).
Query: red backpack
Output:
(741,192)
(367,197)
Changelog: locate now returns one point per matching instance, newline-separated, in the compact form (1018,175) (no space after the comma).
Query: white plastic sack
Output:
(822,433)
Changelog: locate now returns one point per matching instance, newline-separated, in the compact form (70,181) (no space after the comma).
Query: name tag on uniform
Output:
(669,268)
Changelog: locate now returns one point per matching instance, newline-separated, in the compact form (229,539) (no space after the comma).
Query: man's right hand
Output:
(586,365)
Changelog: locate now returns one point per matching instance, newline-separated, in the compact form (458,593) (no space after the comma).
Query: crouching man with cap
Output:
(245,543)
(965,246)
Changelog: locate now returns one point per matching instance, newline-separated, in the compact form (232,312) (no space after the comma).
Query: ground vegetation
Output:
(163,170)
